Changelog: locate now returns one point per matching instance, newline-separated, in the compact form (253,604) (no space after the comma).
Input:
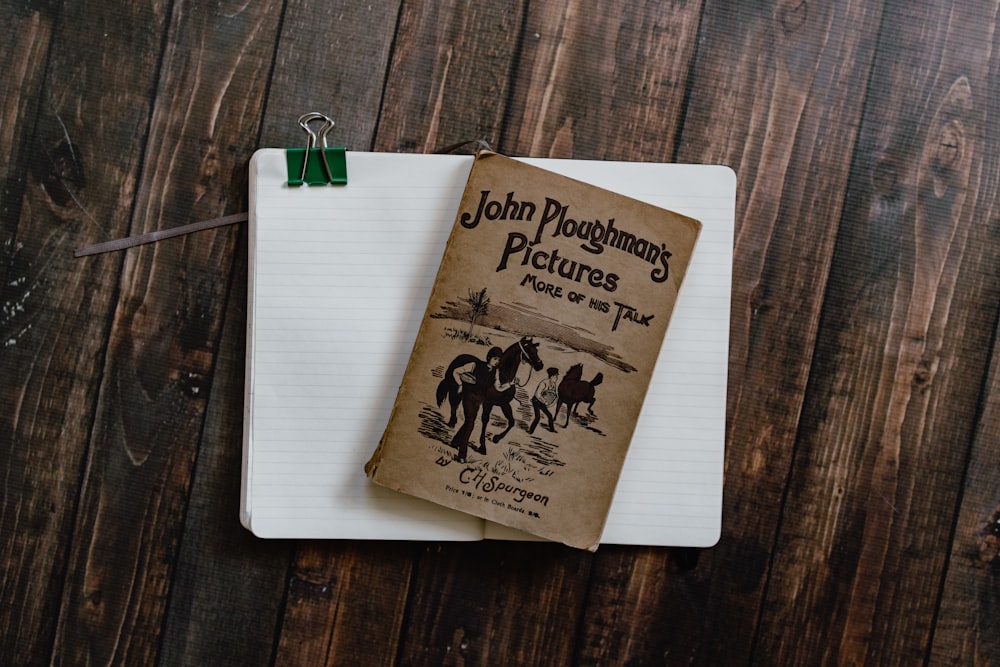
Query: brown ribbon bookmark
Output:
(151,237)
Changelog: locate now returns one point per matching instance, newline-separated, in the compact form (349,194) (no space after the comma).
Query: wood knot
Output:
(303,589)
(923,374)
(208,171)
(950,144)
(885,175)
(458,640)
(947,154)
(192,384)
(792,15)
(59,169)
(684,559)
(94,598)
(989,545)
(748,575)
(759,300)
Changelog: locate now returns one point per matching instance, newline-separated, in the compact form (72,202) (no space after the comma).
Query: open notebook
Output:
(339,278)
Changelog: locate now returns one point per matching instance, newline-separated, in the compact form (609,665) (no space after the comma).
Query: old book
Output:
(338,281)
(535,351)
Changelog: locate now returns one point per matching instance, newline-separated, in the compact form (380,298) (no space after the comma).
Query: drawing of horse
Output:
(573,391)
(524,350)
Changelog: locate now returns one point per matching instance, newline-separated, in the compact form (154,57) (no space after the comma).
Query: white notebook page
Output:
(339,279)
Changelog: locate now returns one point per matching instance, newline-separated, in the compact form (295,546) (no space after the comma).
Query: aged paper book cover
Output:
(535,351)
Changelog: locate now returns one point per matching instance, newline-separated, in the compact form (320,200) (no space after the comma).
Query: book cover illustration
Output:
(535,351)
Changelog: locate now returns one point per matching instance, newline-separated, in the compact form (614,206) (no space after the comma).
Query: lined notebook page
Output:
(339,278)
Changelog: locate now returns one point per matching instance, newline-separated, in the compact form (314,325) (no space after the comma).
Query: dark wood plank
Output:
(312,626)
(969,614)
(609,89)
(26,32)
(76,171)
(468,626)
(337,590)
(327,621)
(642,605)
(165,334)
(900,358)
(326,58)
(487,603)
(775,94)
(345,603)
(462,607)
(602,89)
(227,592)
(464,595)
(450,74)
(331,58)
(967,631)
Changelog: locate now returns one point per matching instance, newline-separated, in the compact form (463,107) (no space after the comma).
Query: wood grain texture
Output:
(644,606)
(967,631)
(602,80)
(478,46)
(331,58)
(345,601)
(612,89)
(449,75)
(225,577)
(77,168)
(784,115)
(907,325)
(967,625)
(326,59)
(27,33)
(164,336)
(485,603)
(861,508)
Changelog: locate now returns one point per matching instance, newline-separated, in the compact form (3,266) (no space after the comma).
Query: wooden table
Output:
(862,494)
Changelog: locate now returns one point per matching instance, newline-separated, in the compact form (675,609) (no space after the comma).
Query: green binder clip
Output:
(316,166)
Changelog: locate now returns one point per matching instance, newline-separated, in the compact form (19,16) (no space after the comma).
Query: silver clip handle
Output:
(314,137)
